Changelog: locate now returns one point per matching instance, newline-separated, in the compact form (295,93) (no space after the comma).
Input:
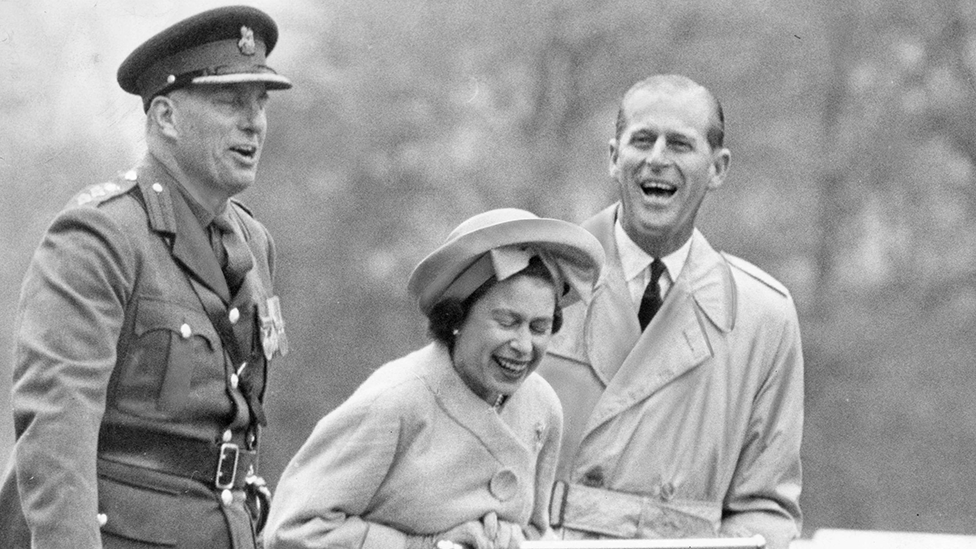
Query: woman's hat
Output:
(463,262)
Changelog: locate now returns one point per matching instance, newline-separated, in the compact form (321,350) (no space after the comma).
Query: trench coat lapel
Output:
(169,214)
(612,316)
(675,342)
(470,411)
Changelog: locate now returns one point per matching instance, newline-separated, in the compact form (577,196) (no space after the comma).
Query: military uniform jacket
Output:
(415,452)
(692,428)
(112,330)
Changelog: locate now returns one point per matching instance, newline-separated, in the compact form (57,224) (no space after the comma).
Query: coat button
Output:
(667,491)
(226,497)
(102,519)
(234,381)
(593,478)
(234,315)
(157,187)
(131,175)
(186,331)
(503,484)
(227,435)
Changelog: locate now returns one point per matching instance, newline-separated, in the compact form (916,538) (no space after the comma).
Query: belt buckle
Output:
(227,466)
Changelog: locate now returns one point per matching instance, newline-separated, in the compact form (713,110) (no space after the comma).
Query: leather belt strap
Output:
(626,515)
(221,465)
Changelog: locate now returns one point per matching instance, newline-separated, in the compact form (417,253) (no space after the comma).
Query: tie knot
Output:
(223,222)
(657,269)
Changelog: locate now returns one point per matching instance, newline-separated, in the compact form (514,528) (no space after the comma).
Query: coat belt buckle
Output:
(227,466)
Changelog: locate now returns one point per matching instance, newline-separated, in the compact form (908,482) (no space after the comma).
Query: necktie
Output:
(651,301)
(232,252)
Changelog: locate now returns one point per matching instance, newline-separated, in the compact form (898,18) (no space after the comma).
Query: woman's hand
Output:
(489,533)
(503,534)
(468,535)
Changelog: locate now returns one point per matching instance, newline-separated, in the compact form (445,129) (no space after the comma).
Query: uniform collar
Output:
(171,215)
(199,211)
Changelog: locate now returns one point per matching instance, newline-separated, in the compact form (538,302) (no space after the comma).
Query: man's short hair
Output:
(715,135)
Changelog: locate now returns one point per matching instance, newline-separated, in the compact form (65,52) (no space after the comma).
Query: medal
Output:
(273,339)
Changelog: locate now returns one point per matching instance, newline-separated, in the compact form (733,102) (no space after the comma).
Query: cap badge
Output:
(246,43)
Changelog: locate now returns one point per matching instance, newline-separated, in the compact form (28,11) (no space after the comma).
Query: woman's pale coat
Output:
(415,452)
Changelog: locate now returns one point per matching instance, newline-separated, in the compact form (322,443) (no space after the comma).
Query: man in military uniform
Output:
(147,319)
(682,380)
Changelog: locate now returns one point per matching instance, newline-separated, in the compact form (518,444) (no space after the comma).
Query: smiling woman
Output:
(456,441)
(500,332)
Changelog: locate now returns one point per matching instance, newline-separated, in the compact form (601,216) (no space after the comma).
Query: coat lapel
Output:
(469,411)
(612,317)
(191,247)
(169,213)
(675,342)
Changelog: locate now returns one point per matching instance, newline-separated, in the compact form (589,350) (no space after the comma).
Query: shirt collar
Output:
(635,260)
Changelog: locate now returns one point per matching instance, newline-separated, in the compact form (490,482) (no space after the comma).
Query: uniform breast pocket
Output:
(172,347)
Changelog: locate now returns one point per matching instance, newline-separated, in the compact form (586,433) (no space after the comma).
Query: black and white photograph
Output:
(461,274)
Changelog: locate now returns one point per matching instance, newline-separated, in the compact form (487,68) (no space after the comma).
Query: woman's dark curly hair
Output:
(449,314)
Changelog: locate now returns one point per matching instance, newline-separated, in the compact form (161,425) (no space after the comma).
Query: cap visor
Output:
(274,81)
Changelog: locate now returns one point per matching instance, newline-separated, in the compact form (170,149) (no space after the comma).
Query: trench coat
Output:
(415,452)
(691,428)
(113,332)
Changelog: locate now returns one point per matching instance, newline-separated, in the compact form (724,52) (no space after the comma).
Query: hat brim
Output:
(273,81)
(566,241)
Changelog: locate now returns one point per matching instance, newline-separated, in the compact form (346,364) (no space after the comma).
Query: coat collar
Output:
(465,407)
(677,338)
(171,216)
(706,275)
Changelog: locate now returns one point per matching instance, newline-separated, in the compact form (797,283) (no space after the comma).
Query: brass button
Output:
(186,331)
(234,315)
(130,175)
(102,519)
(234,380)
(157,187)
(226,497)
(667,491)
(227,435)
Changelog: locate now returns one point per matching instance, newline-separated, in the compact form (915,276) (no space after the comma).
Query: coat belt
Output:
(220,465)
(627,515)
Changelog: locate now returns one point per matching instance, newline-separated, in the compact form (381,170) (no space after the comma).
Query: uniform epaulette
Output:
(93,195)
(756,272)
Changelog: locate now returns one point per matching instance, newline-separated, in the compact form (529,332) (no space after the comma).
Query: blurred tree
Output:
(890,336)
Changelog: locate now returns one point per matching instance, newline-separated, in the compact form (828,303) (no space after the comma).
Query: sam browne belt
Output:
(221,465)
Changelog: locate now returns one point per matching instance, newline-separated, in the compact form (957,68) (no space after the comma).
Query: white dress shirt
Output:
(637,265)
